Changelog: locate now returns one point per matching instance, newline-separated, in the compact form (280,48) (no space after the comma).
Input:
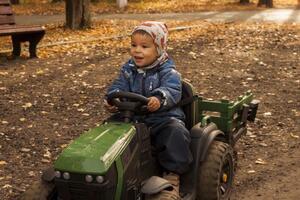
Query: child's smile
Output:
(143,49)
(138,58)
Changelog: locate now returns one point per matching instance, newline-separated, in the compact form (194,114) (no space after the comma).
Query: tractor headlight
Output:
(66,175)
(100,179)
(57,174)
(88,178)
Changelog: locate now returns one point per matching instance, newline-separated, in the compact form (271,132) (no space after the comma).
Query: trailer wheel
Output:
(40,190)
(216,173)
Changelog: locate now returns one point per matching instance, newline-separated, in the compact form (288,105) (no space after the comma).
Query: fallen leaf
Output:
(27,105)
(266,114)
(294,136)
(45,161)
(3,73)
(7,186)
(31,173)
(22,119)
(260,161)
(297,113)
(40,72)
(2,162)
(263,144)
(25,150)
(47,154)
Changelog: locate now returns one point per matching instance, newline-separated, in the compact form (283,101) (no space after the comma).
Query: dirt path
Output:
(279,182)
(271,15)
(45,103)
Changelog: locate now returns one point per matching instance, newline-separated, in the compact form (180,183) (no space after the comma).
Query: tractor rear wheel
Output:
(40,190)
(216,173)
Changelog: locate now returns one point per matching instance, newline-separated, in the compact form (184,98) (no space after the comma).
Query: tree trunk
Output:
(14,1)
(267,3)
(244,1)
(122,3)
(78,14)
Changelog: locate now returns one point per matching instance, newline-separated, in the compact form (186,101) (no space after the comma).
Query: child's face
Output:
(143,50)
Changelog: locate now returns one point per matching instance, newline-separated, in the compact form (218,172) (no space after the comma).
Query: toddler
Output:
(151,73)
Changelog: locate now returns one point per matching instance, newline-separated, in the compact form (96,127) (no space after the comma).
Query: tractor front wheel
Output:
(216,173)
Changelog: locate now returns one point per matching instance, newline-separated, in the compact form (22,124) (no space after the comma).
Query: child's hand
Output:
(153,104)
(109,107)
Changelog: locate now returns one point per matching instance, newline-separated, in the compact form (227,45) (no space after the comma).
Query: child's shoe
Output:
(170,193)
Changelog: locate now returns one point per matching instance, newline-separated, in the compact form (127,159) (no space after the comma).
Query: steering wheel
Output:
(128,101)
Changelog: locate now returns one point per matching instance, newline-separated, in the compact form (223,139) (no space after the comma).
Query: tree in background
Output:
(244,1)
(55,1)
(14,1)
(78,14)
(267,3)
(122,3)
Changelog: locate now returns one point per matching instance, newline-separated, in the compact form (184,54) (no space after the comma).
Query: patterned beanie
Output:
(159,33)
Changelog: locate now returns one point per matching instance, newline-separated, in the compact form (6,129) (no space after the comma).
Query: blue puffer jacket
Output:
(161,81)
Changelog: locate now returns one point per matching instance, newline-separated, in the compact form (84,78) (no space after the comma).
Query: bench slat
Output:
(4,2)
(5,10)
(20,29)
(2,27)
(7,19)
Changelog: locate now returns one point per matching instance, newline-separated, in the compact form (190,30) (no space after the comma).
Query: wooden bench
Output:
(19,33)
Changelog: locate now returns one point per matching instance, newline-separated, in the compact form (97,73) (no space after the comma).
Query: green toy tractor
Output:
(115,160)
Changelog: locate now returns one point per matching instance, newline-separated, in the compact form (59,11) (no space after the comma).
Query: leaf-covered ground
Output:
(47,102)
(150,6)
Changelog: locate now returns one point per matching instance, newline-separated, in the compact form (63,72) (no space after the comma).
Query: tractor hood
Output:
(95,150)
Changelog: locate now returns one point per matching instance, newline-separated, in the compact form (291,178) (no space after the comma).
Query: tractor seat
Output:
(189,107)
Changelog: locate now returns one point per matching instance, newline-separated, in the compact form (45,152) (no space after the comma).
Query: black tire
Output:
(216,173)
(40,190)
